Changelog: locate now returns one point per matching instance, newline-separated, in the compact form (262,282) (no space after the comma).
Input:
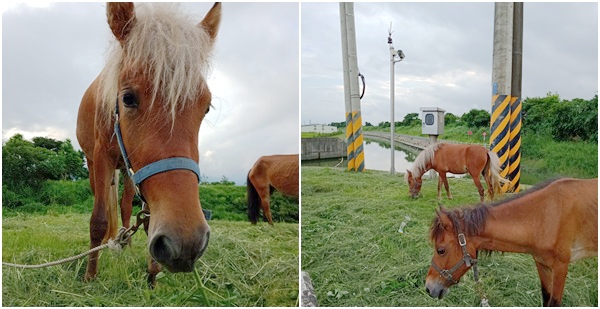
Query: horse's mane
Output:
(470,220)
(424,157)
(169,49)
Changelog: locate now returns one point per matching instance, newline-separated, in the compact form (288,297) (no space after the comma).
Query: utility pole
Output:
(505,138)
(394,54)
(356,156)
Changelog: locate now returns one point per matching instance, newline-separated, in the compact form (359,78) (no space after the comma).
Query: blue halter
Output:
(160,166)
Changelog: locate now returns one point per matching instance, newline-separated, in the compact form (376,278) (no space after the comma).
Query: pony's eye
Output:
(130,99)
(441,251)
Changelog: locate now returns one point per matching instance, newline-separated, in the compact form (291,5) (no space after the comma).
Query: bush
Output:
(65,192)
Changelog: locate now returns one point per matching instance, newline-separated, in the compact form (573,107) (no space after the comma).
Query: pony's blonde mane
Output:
(426,156)
(166,47)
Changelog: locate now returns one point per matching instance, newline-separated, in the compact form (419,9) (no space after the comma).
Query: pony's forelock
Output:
(467,220)
(172,51)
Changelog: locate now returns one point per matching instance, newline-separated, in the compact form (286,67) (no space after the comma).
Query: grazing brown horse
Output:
(557,223)
(277,172)
(142,114)
(457,159)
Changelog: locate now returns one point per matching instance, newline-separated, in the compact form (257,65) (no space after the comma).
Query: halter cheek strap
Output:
(160,166)
(467,259)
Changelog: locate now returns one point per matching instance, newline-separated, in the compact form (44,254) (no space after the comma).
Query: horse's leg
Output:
(265,202)
(445,180)
(102,173)
(553,282)
(559,276)
(127,199)
(153,270)
(477,182)
(545,274)
(439,188)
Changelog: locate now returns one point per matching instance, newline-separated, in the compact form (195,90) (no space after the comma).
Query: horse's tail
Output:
(492,174)
(112,209)
(253,201)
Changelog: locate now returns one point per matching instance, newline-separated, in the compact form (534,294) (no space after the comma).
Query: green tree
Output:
(538,114)
(476,118)
(411,119)
(27,163)
(450,119)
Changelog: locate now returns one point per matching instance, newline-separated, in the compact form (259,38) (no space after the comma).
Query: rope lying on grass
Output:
(117,244)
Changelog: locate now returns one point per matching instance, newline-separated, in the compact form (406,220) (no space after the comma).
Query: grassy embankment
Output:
(244,265)
(356,257)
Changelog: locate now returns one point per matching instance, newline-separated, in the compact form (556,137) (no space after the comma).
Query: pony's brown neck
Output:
(509,225)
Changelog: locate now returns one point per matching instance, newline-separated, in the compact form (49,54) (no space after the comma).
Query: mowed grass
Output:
(244,265)
(355,255)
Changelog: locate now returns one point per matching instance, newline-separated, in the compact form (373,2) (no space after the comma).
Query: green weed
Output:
(353,250)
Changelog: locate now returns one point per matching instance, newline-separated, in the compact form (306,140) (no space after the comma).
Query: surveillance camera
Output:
(400,54)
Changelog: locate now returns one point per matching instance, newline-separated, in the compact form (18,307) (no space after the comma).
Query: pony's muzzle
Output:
(178,255)
(435,289)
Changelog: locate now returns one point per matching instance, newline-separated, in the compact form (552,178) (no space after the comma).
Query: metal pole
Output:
(348,101)
(393,54)
(392,95)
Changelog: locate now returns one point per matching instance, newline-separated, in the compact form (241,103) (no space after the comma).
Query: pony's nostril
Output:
(162,249)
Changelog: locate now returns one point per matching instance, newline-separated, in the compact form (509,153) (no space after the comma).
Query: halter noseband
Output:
(160,166)
(467,259)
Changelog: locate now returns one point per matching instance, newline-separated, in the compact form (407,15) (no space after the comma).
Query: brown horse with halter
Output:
(142,114)
(457,159)
(557,223)
(277,172)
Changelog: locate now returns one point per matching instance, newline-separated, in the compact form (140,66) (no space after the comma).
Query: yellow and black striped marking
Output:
(359,156)
(514,152)
(350,141)
(500,131)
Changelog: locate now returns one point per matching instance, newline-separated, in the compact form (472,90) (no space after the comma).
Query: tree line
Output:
(563,120)
(48,172)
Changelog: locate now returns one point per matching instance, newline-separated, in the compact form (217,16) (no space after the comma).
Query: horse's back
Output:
(459,158)
(281,171)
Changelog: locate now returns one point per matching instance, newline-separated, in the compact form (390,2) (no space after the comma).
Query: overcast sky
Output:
(51,53)
(448,48)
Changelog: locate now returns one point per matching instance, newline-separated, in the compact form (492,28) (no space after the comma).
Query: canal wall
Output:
(416,142)
(322,148)
(333,147)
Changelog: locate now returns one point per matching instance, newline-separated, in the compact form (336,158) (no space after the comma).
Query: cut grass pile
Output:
(355,255)
(244,265)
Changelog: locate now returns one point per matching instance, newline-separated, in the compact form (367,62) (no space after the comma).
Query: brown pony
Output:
(557,223)
(277,172)
(142,114)
(457,159)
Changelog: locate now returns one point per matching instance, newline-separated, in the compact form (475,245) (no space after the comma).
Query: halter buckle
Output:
(462,240)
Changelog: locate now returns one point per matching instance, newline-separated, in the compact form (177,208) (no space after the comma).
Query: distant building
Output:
(318,128)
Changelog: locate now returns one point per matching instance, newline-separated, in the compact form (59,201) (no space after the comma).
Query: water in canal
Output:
(377,157)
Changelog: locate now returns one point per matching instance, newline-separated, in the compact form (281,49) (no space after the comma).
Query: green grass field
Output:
(351,247)
(244,265)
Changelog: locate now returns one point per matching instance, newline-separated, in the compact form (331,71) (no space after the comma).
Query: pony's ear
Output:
(444,219)
(121,18)
(212,20)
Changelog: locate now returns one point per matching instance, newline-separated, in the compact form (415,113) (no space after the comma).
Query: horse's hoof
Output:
(151,281)
(88,277)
